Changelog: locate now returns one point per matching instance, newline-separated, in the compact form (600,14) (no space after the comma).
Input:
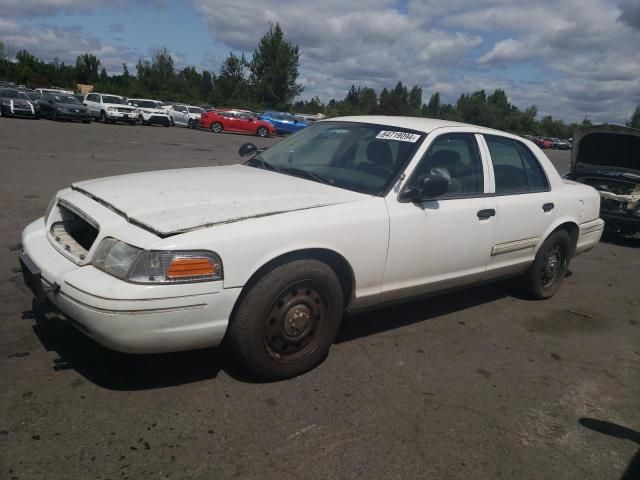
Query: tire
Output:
(103,117)
(141,120)
(172,124)
(86,121)
(544,277)
(190,124)
(263,334)
(263,132)
(216,127)
(54,116)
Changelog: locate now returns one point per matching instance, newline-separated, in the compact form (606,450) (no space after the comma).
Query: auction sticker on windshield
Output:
(401,136)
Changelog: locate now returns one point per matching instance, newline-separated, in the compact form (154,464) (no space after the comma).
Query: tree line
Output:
(269,81)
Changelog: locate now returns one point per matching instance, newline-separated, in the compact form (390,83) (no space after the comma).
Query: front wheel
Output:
(286,322)
(103,117)
(263,132)
(545,275)
(216,127)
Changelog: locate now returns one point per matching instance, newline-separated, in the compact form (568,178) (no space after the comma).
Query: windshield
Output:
(66,99)
(195,110)
(356,156)
(113,99)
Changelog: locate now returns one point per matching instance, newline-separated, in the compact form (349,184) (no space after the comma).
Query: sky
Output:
(571,58)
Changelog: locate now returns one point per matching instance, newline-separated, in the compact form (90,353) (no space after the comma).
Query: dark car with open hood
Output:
(607,157)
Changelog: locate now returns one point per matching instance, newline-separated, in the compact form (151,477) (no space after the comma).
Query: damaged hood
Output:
(609,150)
(169,202)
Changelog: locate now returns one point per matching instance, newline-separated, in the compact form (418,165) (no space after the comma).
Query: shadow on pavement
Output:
(614,430)
(127,372)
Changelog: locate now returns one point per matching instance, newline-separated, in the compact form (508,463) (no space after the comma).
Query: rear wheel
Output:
(263,132)
(545,275)
(286,323)
(216,127)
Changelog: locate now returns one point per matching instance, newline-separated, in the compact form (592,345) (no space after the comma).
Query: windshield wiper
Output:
(258,162)
(299,172)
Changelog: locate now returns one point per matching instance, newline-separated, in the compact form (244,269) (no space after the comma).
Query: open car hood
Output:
(169,202)
(608,150)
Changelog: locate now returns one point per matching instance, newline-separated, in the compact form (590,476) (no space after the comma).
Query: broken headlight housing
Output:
(133,264)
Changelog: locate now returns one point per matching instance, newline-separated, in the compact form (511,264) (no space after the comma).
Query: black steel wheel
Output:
(286,321)
(546,273)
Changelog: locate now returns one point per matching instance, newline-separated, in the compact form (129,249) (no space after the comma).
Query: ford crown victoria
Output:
(347,214)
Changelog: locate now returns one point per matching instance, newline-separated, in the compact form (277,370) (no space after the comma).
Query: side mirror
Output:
(427,187)
(247,149)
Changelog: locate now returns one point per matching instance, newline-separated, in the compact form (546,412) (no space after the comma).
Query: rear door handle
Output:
(547,207)
(486,213)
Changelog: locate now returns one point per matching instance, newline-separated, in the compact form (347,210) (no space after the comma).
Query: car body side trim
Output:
(514,246)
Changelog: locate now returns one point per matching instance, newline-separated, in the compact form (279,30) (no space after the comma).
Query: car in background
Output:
(14,103)
(563,144)
(607,157)
(545,143)
(349,214)
(43,91)
(150,112)
(62,106)
(237,121)
(285,123)
(184,115)
(310,118)
(110,108)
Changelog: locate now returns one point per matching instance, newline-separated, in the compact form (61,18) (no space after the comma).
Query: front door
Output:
(442,242)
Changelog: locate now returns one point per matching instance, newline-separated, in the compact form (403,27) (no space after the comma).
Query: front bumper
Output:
(128,317)
(7,111)
(122,116)
(621,221)
(81,116)
(157,119)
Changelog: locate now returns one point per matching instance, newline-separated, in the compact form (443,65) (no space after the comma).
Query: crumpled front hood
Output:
(606,149)
(169,202)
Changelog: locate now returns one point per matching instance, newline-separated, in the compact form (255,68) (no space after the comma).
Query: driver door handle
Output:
(486,213)
(547,207)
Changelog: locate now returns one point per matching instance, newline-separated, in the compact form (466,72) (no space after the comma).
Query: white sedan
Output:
(349,213)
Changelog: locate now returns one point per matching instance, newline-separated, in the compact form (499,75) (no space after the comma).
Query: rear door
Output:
(525,206)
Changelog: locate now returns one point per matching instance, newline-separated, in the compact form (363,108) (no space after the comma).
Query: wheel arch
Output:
(338,263)
(572,229)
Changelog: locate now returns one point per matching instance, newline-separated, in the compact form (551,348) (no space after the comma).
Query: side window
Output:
(91,98)
(515,168)
(456,157)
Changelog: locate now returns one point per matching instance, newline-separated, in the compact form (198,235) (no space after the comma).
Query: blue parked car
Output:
(284,122)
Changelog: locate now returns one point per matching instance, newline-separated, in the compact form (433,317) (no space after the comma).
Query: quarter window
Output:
(515,168)
(454,156)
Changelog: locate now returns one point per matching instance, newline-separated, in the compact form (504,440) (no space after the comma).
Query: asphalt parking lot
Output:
(473,384)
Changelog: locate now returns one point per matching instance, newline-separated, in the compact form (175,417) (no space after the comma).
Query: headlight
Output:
(111,109)
(143,266)
(115,257)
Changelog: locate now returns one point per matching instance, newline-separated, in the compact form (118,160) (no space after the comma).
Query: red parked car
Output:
(240,121)
(543,142)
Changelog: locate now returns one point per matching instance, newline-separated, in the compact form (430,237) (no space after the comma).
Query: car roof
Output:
(420,124)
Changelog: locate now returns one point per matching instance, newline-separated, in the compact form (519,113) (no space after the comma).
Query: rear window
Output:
(515,168)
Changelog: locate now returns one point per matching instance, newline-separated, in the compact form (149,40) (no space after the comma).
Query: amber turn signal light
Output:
(191,267)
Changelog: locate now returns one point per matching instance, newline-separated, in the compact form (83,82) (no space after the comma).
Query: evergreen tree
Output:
(274,70)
